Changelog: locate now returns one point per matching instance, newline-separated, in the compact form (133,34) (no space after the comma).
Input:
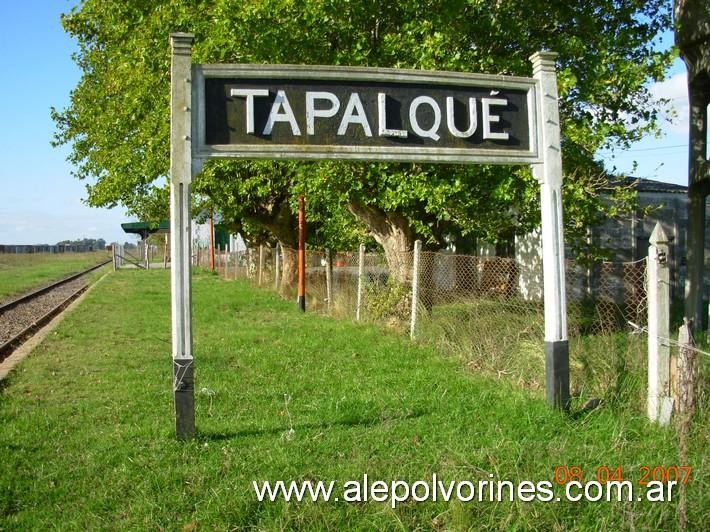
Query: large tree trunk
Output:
(692,36)
(289,273)
(394,234)
(284,227)
(695,253)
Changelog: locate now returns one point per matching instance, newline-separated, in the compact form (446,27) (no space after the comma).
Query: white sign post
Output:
(549,175)
(316,112)
(182,168)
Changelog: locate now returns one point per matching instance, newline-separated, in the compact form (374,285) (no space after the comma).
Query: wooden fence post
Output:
(328,279)
(360,272)
(261,263)
(415,287)
(658,323)
(166,251)
(687,373)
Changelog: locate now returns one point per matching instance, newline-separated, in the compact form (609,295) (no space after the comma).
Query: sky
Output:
(42,202)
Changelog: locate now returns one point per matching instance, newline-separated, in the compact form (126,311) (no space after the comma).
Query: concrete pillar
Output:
(549,175)
(181,170)
(658,291)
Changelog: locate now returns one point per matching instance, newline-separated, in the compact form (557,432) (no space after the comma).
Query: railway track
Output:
(22,316)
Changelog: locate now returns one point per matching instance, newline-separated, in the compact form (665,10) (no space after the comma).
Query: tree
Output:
(692,36)
(117,122)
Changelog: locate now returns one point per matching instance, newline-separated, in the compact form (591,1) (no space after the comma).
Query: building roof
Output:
(647,185)
(146,228)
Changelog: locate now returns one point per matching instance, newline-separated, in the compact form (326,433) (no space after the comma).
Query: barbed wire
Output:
(638,329)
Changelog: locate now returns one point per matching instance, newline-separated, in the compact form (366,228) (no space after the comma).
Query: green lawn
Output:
(20,272)
(87,438)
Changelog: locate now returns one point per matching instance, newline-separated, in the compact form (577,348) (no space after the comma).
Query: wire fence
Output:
(451,289)
(488,311)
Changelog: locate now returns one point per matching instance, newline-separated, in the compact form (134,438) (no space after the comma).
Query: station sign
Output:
(309,112)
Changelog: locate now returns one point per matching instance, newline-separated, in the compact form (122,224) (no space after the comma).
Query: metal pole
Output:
(415,287)
(302,253)
(181,171)
(360,272)
(549,175)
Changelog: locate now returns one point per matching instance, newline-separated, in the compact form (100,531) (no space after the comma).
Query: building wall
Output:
(627,241)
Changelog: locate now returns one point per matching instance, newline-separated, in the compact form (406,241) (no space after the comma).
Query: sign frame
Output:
(436,79)
(188,153)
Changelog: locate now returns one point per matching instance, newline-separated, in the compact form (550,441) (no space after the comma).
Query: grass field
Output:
(87,437)
(20,272)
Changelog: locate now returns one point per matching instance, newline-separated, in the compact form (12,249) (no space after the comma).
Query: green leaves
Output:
(118,119)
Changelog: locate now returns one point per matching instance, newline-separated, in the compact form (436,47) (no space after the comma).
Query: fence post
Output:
(658,322)
(277,267)
(686,369)
(415,287)
(261,263)
(113,251)
(328,279)
(360,272)
(166,250)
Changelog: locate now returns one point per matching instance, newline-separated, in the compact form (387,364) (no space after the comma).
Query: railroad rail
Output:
(32,310)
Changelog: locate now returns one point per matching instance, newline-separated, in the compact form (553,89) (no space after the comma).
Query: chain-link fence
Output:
(487,310)
(601,298)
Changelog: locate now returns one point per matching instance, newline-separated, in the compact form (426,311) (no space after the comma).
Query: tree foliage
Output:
(118,119)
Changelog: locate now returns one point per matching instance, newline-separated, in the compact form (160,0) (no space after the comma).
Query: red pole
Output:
(212,238)
(302,254)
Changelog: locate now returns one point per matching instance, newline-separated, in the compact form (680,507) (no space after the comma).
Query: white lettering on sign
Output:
(382,130)
(472,120)
(276,115)
(355,115)
(312,112)
(432,131)
(488,118)
(249,93)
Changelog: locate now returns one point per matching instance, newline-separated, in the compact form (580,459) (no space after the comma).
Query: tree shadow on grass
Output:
(208,436)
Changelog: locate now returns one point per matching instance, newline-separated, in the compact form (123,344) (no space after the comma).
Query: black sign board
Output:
(368,114)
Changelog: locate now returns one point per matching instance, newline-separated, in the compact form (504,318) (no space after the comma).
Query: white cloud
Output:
(674,89)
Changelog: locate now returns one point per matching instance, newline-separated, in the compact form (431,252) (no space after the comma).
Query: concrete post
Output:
(658,321)
(277,267)
(181,171)
(415,287)
(360,287)
(549,175)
